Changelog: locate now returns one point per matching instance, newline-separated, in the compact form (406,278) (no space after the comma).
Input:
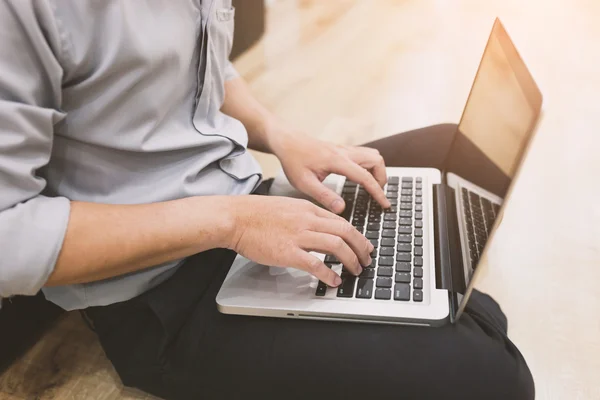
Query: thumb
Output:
(313,187)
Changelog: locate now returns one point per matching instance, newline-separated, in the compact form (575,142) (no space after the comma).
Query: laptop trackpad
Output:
(247,276)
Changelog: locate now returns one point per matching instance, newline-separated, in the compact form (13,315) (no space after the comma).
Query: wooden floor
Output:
(352,71)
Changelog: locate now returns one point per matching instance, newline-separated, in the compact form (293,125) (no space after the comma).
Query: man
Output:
(127,191)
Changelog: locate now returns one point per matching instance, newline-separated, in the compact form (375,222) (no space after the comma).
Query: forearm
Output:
(240,104)
(103,241)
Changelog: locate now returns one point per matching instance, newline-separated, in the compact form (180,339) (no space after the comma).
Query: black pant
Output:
(172,342)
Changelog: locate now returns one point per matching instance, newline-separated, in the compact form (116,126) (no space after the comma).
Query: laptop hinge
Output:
(448,261)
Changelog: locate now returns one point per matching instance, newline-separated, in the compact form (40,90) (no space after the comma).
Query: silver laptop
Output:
(428,245)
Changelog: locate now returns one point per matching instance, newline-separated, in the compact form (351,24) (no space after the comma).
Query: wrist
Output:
(214,218)
(278,138)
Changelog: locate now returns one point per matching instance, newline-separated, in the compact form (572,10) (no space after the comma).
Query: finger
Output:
(311,264)
(313,187)
(321,212)
(331,244)
(371,160)
(359,244)
(358,174)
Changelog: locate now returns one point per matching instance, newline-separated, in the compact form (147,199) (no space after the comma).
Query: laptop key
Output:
(385,271)
(372,235)
(404,248)
(388,233)
(331,259)
(404,230)
(367,273)
(418,224)
(405,221)
(349,190)
(418,251)
(373,226)
(405,214)
(419,215)
(347,212)
(418,261)
(419,207)
(389,224)
(346,289)
(402,292)
(403,257)
(383,294)
(418,232)
(386,261)
(418,283)
(474,256)
(374,254)
(402,277)
(418,193)
(348,197)
(392,195)
(392,188)
(419,179)
(393,202)
(374,242)
(364,288)
(384,282)
(387,251)
(406,199)
(321,289)
(388,242)
(406,192)
(419,186)
(389,217)
(407,185)
(403,267)
(418,295)
(407,179)
(405,238)
(418,241)
(418,200)
(418,272)
(393,180)
(406,206)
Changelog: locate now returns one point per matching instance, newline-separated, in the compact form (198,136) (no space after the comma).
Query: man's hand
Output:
(307,162)
(280,231)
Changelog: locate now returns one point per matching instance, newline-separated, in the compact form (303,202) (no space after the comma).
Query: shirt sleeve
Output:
(230,71)
(32,226)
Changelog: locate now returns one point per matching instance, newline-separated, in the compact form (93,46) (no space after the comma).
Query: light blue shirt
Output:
(116,102)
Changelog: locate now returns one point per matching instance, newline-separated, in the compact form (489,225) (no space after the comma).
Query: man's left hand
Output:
(308,161)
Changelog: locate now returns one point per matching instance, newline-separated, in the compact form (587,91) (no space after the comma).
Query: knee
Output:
(500,375)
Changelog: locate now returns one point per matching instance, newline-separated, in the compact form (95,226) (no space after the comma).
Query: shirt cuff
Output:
(230,71)
(31,237)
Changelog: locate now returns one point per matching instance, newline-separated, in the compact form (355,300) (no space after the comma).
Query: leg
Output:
(172,342)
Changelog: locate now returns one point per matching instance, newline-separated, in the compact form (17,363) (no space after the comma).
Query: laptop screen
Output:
(498,119)
(497,123)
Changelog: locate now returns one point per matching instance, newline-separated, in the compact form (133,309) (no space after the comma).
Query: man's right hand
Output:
(281,231)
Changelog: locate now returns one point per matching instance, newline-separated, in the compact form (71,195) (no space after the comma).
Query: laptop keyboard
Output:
(396,271)
(480,214)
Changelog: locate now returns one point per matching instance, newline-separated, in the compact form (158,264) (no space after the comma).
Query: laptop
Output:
(429,244)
